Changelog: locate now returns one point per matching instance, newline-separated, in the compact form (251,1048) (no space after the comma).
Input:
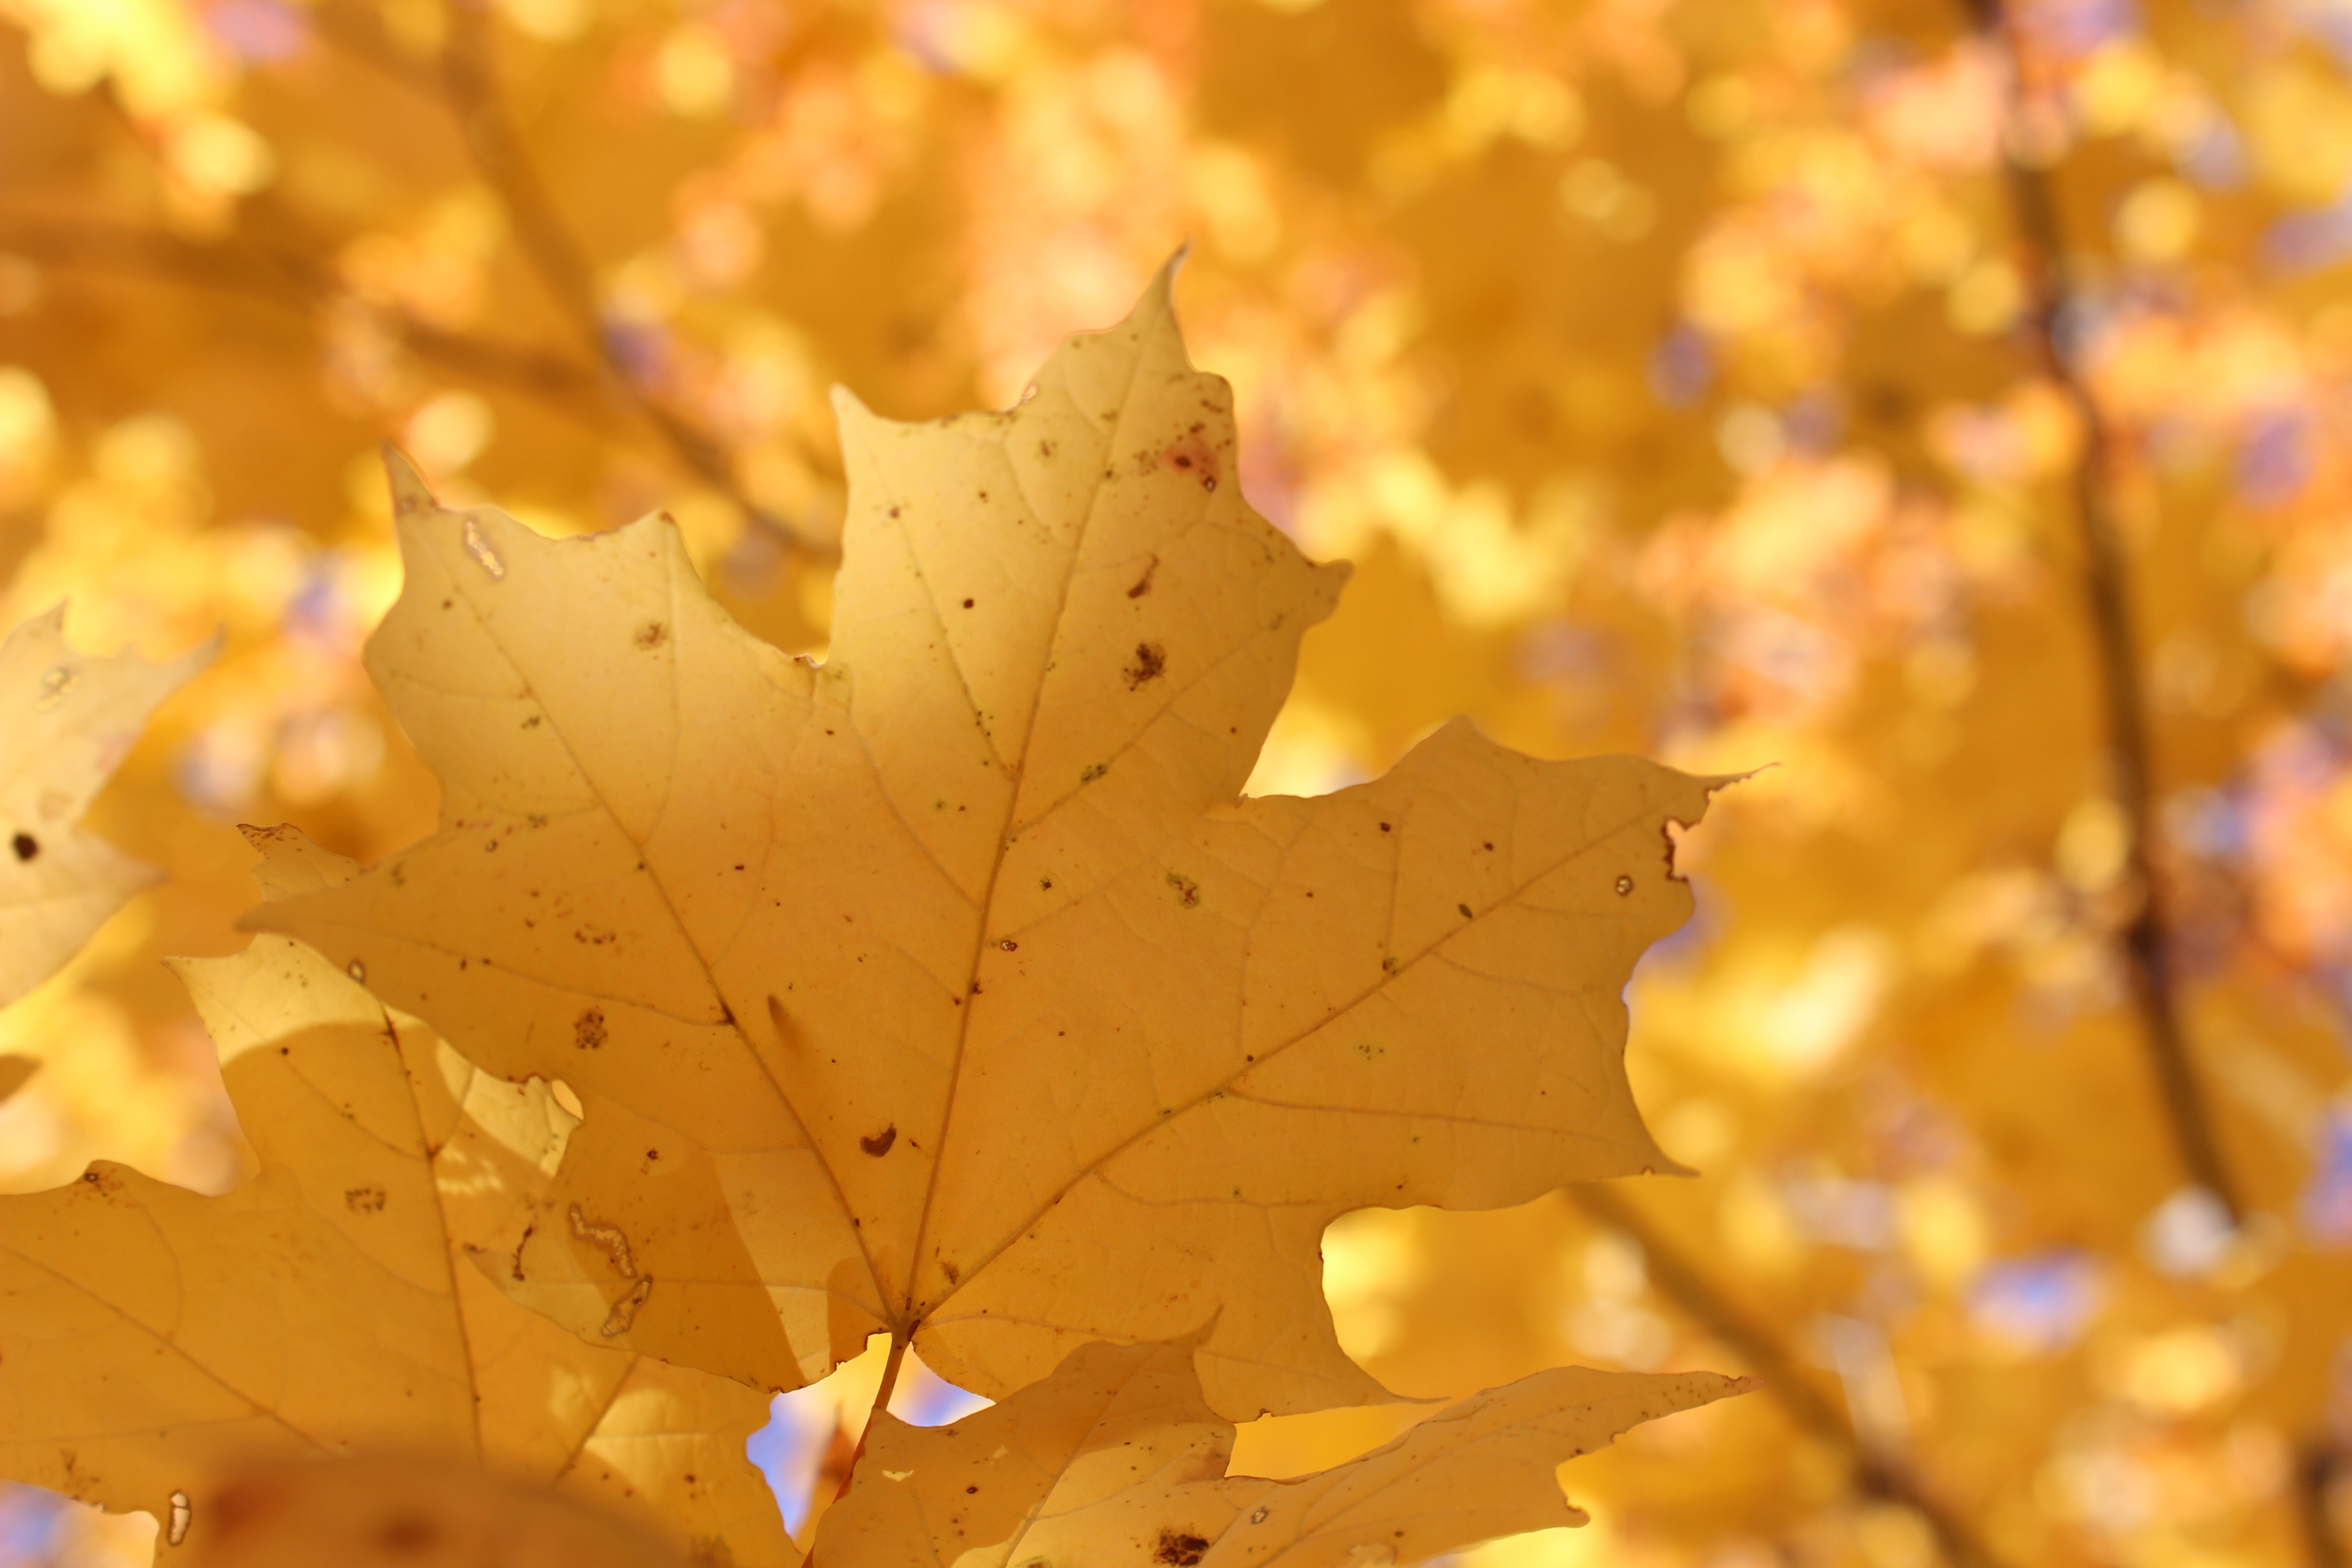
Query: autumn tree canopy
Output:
(1937,407)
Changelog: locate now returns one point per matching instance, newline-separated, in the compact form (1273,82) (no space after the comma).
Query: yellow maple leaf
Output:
(388,1511)
(65,720)
(949,988)
(1116,1457)
(150,1336)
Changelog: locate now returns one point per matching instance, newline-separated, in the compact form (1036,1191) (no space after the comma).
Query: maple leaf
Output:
(150,1336)
(949,988)
(67,718)
(382,1509)
(1117,1457)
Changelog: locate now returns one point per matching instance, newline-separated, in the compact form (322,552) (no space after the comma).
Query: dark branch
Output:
(2317,1469)
(1681,1281)
(469,86)
(289,281)
(2144,937)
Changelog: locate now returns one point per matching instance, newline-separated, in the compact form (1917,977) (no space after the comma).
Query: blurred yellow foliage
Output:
(1677,376)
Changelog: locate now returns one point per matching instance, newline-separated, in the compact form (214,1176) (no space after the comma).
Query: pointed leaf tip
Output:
(410,493)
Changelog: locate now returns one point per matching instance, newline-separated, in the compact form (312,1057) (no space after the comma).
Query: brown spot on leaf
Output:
(1191,455)
(1150,664)
(1188,893)
(364,1200)
(588,1029)
(26,845)
(1179,1549)
(407,1533)
(651,635)
(1143,584)
(879,1144)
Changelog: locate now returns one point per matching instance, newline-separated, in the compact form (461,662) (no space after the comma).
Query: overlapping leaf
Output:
(1116,1458)
(150,1336)
(949,988)
(385,1512)
(65,720)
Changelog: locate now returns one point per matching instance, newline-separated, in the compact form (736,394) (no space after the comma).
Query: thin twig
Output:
(292,282)
(469,85)
(2315,1472)
(2144,937)
(1681,1281)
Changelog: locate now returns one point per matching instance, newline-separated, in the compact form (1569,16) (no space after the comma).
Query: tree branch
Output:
(1879,1474)
(287,281)
(469,86)
(2145,937)
(2315,1471)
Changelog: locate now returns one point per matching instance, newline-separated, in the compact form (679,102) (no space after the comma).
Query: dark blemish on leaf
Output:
(1624,886)
(879,1144)
(1044,448)
(651,635)
(1150,664)
(894,511)
(364,1200)
(1094,773)
(1465,911)
(1487,846)
(26,845)
(1384,827)
(967,603)
(983,495)
(653,1153)
(969,1490)
(446,604)
(955,1275)
(520,1245)
(407,1533)
(588,1030)
(1009,945)
(533,722)
(1187,893)
(357,971)
(1046,884)
(1179,1549)
(1143,584)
